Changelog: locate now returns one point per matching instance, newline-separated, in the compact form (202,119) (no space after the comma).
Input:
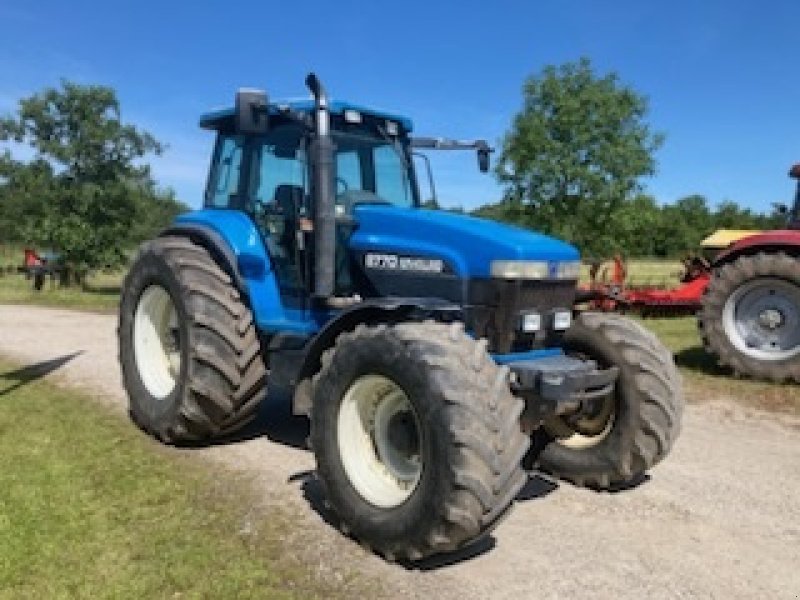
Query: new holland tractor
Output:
(437,356)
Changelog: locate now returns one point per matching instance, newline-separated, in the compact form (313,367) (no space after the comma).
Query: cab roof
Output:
(223,118)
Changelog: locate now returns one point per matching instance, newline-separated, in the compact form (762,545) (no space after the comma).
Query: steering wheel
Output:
(345,187)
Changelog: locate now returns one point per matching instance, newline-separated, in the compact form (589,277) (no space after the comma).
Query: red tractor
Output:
(750,314)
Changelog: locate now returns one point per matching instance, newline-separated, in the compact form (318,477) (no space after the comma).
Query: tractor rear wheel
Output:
(750,318)
(633,428)
(417,438)
(190,356)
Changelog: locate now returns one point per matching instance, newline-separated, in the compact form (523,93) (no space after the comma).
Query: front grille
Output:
(494,305)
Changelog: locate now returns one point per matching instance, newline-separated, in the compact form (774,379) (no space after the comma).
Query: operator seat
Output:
(288,200)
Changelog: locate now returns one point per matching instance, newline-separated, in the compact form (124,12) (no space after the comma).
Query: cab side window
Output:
(390,181)
(277,174)
(276,169)
(277,199)
(348,171)
(223,182)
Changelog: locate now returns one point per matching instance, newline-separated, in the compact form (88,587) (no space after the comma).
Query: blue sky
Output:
(720,75)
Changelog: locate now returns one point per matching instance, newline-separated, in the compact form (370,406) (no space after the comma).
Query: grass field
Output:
(100,294)
(646,272)
(91,508)
(707,381)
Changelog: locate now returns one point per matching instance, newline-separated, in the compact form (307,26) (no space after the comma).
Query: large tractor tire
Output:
(750,319)
(190,356)
(634,427)
(417,437)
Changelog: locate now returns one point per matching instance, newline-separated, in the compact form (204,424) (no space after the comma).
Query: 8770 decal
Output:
(393,262)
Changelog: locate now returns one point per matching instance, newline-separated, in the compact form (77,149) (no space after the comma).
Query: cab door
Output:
(277,183)
(266,177)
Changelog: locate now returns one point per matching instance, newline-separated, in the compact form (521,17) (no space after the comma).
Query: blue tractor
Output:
(437,356)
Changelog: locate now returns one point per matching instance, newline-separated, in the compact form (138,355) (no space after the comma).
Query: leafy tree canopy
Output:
(87,192)
(640,226)
(576,151)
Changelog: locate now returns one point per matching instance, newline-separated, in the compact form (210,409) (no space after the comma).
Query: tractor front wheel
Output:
(190,356)
(635,426)
(416,436)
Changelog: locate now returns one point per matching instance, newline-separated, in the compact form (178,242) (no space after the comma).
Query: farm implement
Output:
(612,294)
(746,297)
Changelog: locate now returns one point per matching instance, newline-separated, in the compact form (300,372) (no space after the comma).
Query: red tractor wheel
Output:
(750,318)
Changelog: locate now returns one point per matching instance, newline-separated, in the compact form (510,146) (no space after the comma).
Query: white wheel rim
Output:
(762,319)
(600,425)
(379,439)
(156,341)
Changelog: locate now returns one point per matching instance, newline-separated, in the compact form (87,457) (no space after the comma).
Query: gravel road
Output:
(720,518)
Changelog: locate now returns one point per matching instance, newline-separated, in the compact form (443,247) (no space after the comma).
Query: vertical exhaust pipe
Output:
(321,155)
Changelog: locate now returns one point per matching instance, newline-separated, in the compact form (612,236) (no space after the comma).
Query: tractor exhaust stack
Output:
(321,154)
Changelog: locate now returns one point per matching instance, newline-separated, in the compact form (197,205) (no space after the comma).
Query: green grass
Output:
(91,508)
(707,381)
(643,272)
(100,294)
(646,272)
(10,255)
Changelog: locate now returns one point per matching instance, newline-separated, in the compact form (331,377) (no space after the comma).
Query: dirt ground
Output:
(720,518)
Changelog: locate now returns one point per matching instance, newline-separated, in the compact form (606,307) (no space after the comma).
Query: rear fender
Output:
(772,241)
(233,239)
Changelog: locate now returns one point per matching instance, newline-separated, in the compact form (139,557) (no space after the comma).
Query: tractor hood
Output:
(466,244)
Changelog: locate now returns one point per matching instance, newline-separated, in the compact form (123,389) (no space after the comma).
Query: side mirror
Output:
(483,158)
(252,111)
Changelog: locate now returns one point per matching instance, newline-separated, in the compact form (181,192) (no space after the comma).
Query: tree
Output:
(154,212)
(635,227)
(576,151)
(83,192)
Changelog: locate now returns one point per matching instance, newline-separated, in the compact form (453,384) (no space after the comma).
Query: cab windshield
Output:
(270,172)
(372,168)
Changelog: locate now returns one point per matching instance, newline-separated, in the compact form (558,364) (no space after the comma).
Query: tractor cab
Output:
(266,172)
(332,190)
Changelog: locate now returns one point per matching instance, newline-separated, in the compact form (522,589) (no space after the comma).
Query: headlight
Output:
(535,269)
(520,269)
(531,322)
(569,270)
(562,319)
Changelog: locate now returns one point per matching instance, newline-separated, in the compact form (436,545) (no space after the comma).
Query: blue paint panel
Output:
(255,267)
(468,244)
(504,359)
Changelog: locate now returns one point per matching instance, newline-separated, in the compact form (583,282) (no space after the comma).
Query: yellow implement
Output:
(722,238)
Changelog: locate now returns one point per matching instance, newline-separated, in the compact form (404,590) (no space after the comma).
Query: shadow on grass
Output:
(102,290)
(27,374)
(697,359)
